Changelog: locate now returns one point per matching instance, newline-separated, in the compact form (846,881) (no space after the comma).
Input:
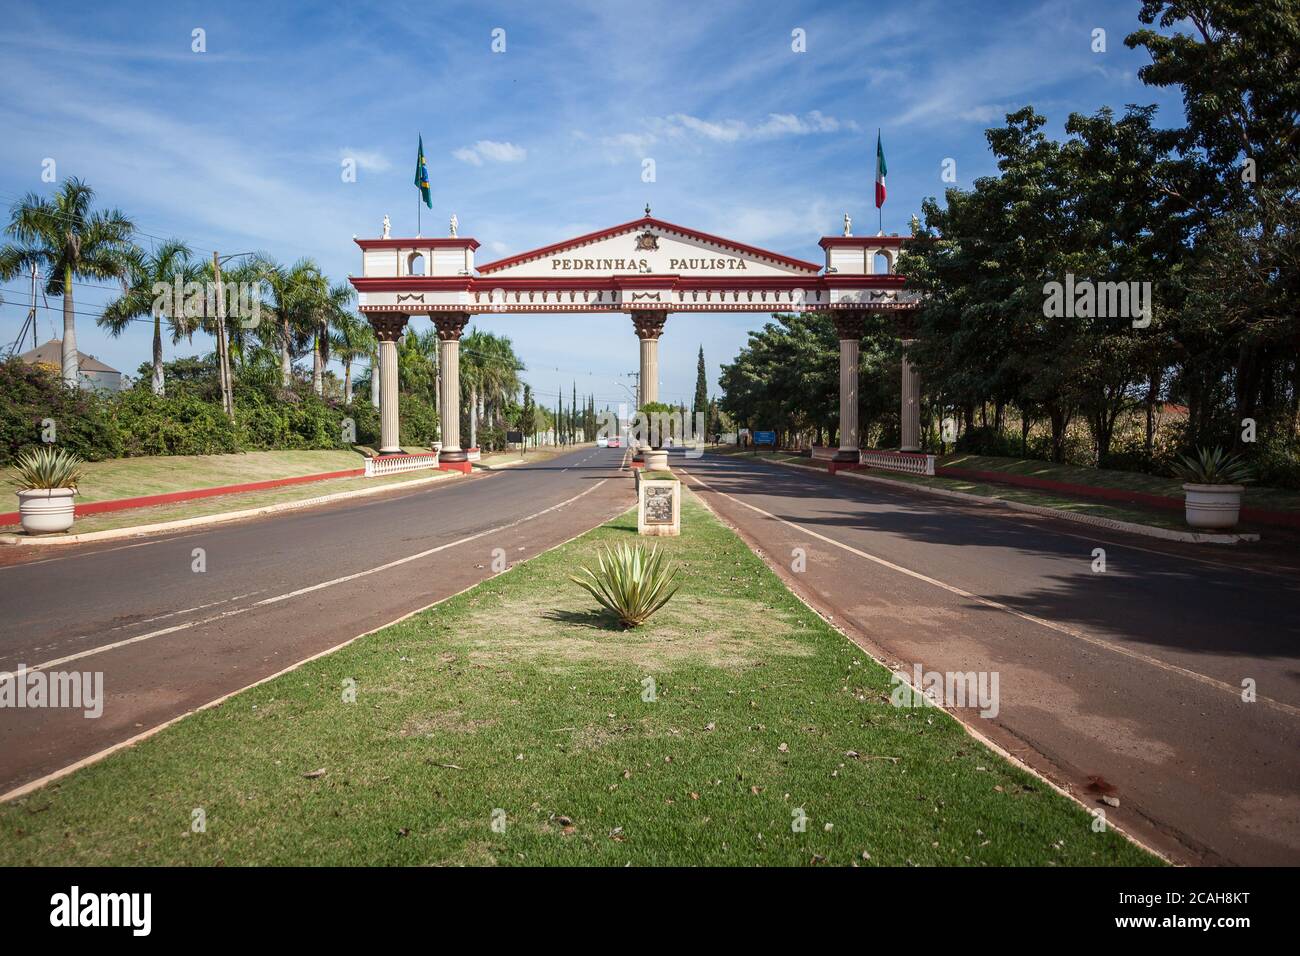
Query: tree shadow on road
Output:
(1183,597)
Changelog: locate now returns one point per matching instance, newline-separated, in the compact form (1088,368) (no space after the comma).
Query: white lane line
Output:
(289,595)
(33,785)
(1028,521)
(122,627)
(999,606)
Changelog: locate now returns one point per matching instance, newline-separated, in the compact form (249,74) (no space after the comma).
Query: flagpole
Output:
(880,210)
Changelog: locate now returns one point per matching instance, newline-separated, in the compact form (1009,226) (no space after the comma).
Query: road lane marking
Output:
(289,595)
(999,606)
(32,785)
(122,627)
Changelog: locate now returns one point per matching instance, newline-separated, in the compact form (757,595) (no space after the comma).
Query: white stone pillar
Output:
(388,329)
(649,326)
(910,411)
(848,325)
(450,325)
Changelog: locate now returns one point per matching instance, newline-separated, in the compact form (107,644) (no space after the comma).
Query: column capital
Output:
(849,325)
(450,324)
(388,326)
(649,325)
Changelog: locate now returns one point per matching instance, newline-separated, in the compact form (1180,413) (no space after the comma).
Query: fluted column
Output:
(910,411)
(849,327)
(388,329)
(649,326)
(449,326)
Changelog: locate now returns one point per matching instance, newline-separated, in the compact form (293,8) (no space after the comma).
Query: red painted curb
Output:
(145,501)
(1285,518)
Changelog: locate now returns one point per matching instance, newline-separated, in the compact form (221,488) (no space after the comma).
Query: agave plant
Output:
(630,582)
(1212,466)
(48,467)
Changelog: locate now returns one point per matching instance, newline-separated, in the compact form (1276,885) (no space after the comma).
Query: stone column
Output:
(849,327)
(649,326)
(388,329)
(449,325)
(910,411)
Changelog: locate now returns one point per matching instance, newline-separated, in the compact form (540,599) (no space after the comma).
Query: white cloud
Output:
(683,125)
(488,150)
(370,161)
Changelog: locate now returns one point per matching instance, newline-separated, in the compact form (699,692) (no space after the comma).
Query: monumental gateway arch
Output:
(647,269)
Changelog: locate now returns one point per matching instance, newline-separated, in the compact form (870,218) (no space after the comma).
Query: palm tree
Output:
(473,375)
(501,375)
(62,236)
(329,307)
(292,299)
(353,339)
(163,267)
(417,364)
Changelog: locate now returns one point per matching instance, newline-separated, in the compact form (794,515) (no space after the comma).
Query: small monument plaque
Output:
(659,506)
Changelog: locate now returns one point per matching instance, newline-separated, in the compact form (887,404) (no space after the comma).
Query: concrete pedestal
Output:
(659,507)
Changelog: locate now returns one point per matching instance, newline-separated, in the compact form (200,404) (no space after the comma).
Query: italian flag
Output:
(881,170)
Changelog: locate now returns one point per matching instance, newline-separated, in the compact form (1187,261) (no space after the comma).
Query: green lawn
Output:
(1257,497)
(242,501)
(517,701)
(133,477)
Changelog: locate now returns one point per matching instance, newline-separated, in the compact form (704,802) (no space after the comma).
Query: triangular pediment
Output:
(648,246)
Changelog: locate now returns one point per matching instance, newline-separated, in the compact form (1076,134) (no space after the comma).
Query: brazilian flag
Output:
(422,176)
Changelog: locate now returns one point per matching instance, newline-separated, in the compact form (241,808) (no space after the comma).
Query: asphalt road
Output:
(273,591)
(1134,674)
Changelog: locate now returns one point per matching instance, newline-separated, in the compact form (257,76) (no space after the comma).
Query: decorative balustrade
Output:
(393,464)
(914,463)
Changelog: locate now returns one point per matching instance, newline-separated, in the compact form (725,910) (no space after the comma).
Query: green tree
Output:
(1238,67)
(354,339)
(167,267)
(66,240)
(701,402)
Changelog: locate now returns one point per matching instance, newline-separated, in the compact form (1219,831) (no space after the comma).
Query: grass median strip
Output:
(514,724)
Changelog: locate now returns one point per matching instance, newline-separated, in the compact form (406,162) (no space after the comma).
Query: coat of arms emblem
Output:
(647,241)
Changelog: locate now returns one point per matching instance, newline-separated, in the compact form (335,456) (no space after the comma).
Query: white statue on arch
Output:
(848,225)
(387,225)
(454,224)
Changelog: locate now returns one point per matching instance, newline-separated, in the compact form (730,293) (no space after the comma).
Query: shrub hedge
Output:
(189,419)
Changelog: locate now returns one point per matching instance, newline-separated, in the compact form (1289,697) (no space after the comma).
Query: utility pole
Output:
(223,372)
(17,347)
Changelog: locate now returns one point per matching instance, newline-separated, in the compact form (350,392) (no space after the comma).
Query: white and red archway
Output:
(646,268)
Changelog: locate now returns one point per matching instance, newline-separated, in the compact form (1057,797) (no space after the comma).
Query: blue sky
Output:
(240,147)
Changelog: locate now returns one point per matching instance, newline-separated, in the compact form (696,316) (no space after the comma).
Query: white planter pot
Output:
(46,510)
(1213,506)
(656,459)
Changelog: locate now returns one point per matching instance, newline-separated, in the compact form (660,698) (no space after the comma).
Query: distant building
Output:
(94,373)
